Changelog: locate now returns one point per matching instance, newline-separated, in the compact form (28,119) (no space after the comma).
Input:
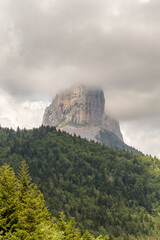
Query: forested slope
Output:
(24,216)
(106,190)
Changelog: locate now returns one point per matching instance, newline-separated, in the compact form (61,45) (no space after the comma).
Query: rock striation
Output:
(81,111)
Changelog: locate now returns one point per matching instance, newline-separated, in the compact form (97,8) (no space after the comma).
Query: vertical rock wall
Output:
(80,106)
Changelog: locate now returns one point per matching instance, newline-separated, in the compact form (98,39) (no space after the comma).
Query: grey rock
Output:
(80,111)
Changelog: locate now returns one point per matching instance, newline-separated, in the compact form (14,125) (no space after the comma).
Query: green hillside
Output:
(107,190)
(23,213)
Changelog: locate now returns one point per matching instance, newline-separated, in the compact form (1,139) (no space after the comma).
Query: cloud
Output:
(143,134)
(25,114)
(47,45)
(112,42)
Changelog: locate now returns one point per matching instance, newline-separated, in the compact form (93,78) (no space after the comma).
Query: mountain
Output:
(107,190)
(111,140)
(80,110)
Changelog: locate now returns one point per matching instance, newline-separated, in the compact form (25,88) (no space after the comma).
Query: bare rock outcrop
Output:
(80,110)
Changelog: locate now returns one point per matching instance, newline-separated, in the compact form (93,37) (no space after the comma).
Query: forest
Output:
(23,214)
(109,193)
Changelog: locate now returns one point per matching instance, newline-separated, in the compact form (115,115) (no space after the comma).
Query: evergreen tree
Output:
(8,200)
(32,210)
(22,206)
(70,230)
(87,236)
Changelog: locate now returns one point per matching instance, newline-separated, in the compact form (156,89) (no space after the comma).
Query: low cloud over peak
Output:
(47,45)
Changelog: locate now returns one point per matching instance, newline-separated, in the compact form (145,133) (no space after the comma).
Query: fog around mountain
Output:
(46,46)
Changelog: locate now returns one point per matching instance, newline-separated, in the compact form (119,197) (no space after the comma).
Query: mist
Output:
(47,46)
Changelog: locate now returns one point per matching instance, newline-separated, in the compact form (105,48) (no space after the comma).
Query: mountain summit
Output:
(81,110)
(78,105)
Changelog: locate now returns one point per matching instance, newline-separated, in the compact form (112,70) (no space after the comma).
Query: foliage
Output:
(8,199)
(106,190)
(23,215)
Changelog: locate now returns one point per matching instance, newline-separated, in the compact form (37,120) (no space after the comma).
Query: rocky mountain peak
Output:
(80,110)
(78,105)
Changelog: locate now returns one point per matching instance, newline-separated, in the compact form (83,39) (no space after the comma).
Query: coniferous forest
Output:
(23,214)
(102,192)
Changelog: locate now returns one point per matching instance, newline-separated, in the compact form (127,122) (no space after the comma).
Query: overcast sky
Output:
(48,45)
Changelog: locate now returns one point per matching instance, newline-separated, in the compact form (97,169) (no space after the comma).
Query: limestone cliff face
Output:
(78,105)
(112,125)
(80,110)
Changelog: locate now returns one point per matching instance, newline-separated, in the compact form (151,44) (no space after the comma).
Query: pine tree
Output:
(23,215)
(24,180)
(87,236)
(71,231)
(32,210)
(8,200)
